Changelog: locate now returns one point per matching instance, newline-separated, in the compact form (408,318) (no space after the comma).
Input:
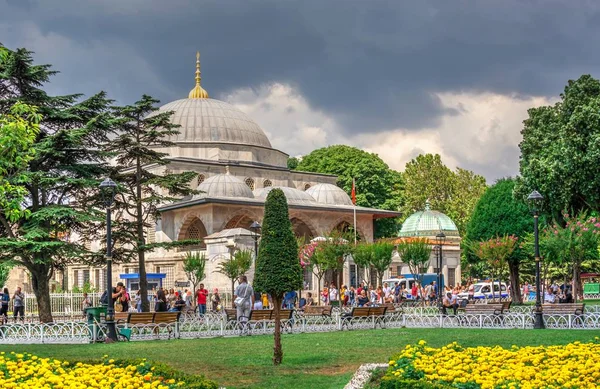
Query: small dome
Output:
(224,185)
(329,194)
(293,195)
(428,223)
(204,120)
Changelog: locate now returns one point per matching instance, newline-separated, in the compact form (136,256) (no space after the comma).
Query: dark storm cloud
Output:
(372,64)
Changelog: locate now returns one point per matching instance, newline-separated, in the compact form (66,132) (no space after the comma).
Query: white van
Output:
(483,290)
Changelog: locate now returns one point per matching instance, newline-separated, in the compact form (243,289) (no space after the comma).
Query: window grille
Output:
(250,182)
(267,183)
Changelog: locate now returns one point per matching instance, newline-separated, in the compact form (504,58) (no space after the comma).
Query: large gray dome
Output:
(224,185)
(329,194)
(292,195)
(213,121)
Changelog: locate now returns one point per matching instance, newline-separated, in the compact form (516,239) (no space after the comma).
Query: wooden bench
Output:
(230,314)
(377,313)
(485,309)
(145,318)
(318,310)
(391,308)
(563,309)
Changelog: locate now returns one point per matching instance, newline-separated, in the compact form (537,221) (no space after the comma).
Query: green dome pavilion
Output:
(428,223)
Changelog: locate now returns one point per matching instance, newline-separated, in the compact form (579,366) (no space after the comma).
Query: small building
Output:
(427,224)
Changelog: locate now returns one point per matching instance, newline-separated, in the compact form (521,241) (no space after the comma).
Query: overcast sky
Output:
(397,78)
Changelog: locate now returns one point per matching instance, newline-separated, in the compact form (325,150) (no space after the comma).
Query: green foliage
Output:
(144,367)
(499,213)
(453,193)
(292,163)
(4,272)
(18,130)
(560,150)
(415,253)
(144,183)
(62,178)
(389,382)
(495,253)
(277,267)
(377,185)
(382,258)
(194,265)
(238,264)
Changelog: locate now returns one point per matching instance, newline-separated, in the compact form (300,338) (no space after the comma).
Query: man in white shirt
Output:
(450,301)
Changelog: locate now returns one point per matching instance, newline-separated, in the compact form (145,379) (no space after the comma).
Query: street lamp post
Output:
(440,239)
(255,227)
(108,189)
(535,199)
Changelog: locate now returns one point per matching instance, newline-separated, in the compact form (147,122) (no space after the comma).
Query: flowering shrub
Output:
(32,372)
(572,366)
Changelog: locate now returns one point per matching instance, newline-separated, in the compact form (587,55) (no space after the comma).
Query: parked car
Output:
(483,290)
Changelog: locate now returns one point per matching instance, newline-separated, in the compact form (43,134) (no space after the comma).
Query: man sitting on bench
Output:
(449,301)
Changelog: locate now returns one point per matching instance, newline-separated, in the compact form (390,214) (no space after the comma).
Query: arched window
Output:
(201,178)
(267,183)
(250,182)
(196,230)
(306,186)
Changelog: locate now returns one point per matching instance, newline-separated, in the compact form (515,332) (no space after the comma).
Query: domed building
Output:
(428,224)
(237,166)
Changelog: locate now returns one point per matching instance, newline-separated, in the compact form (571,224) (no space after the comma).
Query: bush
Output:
(167,372)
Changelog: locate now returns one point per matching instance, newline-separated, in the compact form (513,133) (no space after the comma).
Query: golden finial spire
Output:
(198,92)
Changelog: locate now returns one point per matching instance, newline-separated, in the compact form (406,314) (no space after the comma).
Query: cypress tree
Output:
(277,267)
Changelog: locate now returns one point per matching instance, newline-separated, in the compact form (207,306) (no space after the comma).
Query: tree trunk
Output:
(277,350)
(515,290)
(318,296)
(40,279)
(576,279)
(141,240)
(232,293)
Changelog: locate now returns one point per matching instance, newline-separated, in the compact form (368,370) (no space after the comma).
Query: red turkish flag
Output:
(353,192)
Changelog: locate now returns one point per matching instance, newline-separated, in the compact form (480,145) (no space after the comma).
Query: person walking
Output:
(161,301)
(215,300)
(4,300)
(19,304)
(243,296)
(85,303)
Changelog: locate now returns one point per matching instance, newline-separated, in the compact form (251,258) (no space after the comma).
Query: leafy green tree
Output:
(194,265)
(277,268)
(292,163)
(376,184)
(4,272)
(18,130)
(496,214)
(415,252)
(363,256)
(382,258)
(237,265)
(61,180)
(140,132)
(312,258)
(572,244)
(495,252)
(334,251)
(560,151)
(453,193)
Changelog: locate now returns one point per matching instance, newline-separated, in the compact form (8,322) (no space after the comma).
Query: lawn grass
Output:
(322,360)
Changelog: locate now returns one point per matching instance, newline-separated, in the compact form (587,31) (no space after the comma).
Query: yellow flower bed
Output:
(575,365)
(31,372)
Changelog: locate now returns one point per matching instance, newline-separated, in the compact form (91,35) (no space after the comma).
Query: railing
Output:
(216,325)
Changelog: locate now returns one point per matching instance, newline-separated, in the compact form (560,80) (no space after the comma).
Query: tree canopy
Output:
(453,193)
(376,184)
(139,132)
(60,181)
(498,214)
(560,150)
